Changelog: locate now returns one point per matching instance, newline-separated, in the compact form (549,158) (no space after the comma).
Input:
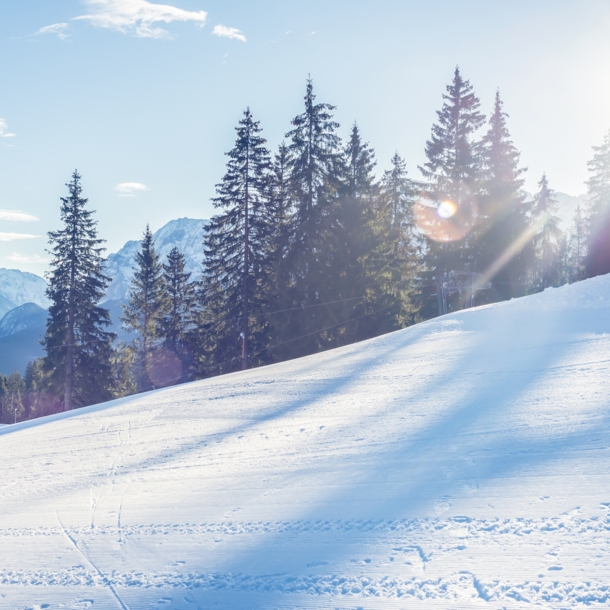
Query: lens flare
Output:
(446,209)
(443,220)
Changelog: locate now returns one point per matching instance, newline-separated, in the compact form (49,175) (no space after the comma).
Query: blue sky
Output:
(105,87)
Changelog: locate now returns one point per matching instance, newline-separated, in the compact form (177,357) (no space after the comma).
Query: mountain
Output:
(22,317)
(20,332)
(186,233)
(567,205)
(19,287)
(460,463)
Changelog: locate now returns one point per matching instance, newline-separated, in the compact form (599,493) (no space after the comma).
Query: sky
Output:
(143,98)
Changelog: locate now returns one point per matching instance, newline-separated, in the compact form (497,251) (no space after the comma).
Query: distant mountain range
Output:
(186,233)
(23,302)
(19,287)
(20,332)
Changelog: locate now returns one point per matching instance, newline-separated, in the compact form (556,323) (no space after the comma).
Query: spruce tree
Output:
(577,247)
(598,251)
(349,269)
(146,308)
(13,402)
(502,215)
(78,348)
(315,171)
(401,242)
(453,171)
(178,320)
(548,239)
(238,263)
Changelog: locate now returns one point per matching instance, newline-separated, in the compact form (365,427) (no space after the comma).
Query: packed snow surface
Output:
(460,463)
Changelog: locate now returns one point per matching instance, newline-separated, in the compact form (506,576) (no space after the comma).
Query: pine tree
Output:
(146,308)
(13,403)
(239,253)
(577,247)
(502,218)
(178,320)
(347,259)
(3,396)
(315,170)
(598,251)
(402,248)
(453,174)
(78,348)
(548,239)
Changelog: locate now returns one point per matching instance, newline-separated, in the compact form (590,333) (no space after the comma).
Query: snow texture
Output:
(186,233)
(460,463)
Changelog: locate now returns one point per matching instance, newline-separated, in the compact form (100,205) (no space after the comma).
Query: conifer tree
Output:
(146,308)
(577,247)
(180,291)
(598,251)
(502,215)
(314,179)
(13,403)
(3,395)
(78,348)
(452,172)
(403,247)
(548,239)
(349,269)
(238,250)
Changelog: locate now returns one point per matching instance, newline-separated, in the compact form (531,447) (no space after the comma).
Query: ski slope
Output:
(460,463)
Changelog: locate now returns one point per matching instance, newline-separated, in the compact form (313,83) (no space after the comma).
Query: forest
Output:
(311,249)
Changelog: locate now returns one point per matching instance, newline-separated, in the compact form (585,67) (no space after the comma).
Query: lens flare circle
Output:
(446,209)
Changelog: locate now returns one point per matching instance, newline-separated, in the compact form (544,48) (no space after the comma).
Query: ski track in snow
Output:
(461,463)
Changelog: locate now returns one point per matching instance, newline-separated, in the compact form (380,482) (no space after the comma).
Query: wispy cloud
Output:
(130,189)
(16,236)
(15,257)
(3,130)
(59,29)
(137,17)
(17,216)
(225,32)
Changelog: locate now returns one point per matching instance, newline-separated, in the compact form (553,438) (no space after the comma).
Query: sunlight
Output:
(446,209)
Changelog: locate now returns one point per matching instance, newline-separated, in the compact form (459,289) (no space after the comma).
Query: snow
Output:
(460,463)
(20,287)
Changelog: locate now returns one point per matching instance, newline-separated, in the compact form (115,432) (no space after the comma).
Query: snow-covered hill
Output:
(186,233)
(460,463)
(19,287)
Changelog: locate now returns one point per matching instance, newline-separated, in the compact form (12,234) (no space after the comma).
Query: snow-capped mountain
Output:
(186,233)
(20,332)
(19,287)
(460,463)
(23,317)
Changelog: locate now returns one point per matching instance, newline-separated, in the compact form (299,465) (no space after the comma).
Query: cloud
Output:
(137,17)
(15,257)
(16,236)
(129,189)
(3,130)
(59,29)
(225,32)
(17,216)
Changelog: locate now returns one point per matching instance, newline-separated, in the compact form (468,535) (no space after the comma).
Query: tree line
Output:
(310,250)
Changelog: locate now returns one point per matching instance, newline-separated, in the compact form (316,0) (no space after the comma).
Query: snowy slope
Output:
(21,287)
(460,463)
(186,233)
